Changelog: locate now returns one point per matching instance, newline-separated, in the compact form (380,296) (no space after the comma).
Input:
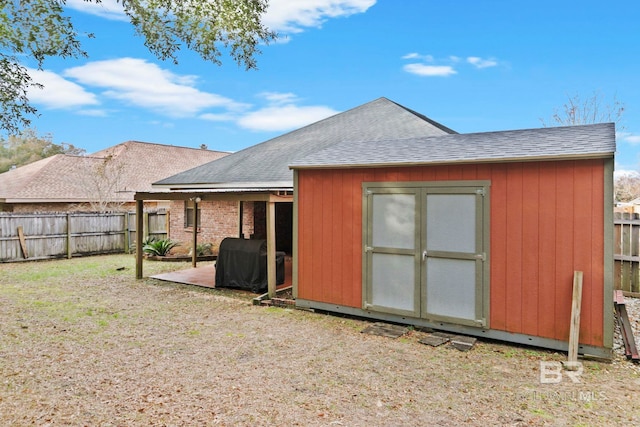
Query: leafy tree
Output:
(38,29)
(28,147)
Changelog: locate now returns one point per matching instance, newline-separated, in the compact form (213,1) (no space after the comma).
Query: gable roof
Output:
(266,165)
(572,142)
(63,178)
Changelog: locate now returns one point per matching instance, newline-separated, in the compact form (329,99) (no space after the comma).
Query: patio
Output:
(206,275)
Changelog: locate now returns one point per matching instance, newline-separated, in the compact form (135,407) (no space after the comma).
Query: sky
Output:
(473,66)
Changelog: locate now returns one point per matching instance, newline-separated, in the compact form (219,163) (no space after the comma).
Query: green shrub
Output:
(159,247)
(203,249)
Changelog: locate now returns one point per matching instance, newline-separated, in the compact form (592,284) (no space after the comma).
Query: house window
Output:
(188,214)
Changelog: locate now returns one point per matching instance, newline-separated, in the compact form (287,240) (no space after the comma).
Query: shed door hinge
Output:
(481,192)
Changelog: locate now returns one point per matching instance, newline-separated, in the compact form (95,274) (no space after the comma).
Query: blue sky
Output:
(471,65)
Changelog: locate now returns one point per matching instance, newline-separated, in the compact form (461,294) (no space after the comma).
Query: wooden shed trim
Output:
(459,162)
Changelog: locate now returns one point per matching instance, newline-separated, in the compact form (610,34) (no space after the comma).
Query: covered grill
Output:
(242,264)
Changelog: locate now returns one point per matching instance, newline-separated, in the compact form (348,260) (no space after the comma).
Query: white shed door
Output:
(425,252)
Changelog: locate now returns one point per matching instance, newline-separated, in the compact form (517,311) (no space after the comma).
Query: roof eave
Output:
(589,156)
(236,186)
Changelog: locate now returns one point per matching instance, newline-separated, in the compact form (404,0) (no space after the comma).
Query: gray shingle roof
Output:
(586,141)
(63,178)
(266,165)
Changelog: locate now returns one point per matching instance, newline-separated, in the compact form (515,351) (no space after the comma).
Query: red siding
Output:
(547,220)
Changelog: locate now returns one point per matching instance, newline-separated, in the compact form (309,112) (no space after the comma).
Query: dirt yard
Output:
(83,343)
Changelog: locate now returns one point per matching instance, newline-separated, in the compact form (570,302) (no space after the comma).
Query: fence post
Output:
(126,233)
(145,225)
(69,254)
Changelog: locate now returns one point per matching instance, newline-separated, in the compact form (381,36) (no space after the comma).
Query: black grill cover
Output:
(242,264)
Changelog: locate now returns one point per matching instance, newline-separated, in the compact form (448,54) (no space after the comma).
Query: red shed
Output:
(471,233)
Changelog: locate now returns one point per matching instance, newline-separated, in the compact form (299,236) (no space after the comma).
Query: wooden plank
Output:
(618,297)
(194,242)
(574,333)
(271,249)
(23,242)
(69,252)
(631,351)
(139,227)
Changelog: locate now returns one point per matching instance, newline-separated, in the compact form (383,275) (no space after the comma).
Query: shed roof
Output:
(266,165)
(587,141)
(64,178)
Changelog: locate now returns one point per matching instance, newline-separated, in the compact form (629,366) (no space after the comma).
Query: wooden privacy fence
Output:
(627,253)
(59,235)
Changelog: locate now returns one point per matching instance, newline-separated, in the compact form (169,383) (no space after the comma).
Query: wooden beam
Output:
(574,333)
(194,242)
(271,249)
(69,253)
(23,242)
(240,216)
(139,227)
(257,196)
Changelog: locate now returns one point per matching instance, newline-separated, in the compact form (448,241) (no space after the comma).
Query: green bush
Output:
(203,249)
(159,247)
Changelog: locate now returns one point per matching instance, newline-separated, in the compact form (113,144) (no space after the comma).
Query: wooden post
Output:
(139,226)
(271,249)
(23,242)
(145,225)
(194,251)
(167,223)
(126,232)
(241,215)
(574,333)
(69,250)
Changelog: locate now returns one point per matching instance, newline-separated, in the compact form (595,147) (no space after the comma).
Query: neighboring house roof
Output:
(266,165)
(66,178)
(573,142)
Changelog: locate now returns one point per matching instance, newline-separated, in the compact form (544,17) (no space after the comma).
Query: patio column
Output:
(194,251)
(139,226)
(271,249)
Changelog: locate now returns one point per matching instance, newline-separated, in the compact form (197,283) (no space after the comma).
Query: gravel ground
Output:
(92,346)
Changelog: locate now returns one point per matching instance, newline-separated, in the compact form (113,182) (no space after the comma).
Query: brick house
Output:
(105,180)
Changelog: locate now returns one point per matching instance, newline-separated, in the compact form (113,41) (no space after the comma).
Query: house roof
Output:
(66,178)
(266,165)
(588,141)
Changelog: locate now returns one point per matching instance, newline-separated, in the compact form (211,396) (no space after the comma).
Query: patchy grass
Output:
(84,343)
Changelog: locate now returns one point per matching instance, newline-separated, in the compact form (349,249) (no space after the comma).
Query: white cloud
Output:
(144,84)
(218,117)
(93,113)
(281,114)
(628,137)
(412,55)
(278,98)
(429,66)
(430,70)
(58,92)
(293,16)
(109,9)
(478,62)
